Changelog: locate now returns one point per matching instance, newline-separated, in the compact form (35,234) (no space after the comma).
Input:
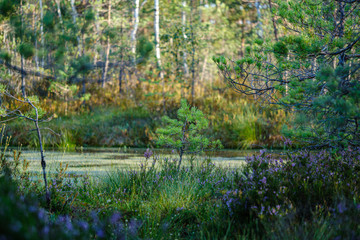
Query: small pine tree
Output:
(185,134)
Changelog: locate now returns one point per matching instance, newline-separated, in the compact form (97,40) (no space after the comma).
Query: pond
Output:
(98,161)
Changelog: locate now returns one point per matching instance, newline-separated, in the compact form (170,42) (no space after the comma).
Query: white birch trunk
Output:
(59,13)
(74,16)
(260,27)
(157,37)
(23,81)
(183,18)
(97,28)
(36,44)
(107,49)
(42,30)
(157,50)
(134,31)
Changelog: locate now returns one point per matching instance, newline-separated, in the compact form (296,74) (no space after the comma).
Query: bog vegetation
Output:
(190,76)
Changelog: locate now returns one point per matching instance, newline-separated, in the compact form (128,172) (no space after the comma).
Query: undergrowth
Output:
(307,195)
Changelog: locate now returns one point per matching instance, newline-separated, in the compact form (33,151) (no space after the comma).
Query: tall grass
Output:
(240,124)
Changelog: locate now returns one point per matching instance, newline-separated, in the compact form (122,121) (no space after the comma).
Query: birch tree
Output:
(42,30)
(134,31)
(157,47)
(157,37)
(106,67)
(183,19)
(74,17)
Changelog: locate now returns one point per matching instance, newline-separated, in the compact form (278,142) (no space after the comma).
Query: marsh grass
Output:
(205,200)
(239,123)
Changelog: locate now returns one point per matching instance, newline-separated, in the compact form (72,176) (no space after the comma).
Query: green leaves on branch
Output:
(186,133)
(8,7)
(26,50)
(82,64)
(2,88)
(280,49)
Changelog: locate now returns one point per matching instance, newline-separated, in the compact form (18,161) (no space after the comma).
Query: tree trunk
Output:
(192,65)
(83,91)
(121,71)
(106,67)
(74,16)
(259,25)
(134,31)
(36,59)
(183,18)
(43,163)
(341,16)
(97,28)
(59,14)
(204,69)
(23,83)
(181,153)
(42,30)
(157,48)
(193,74)
(273,21)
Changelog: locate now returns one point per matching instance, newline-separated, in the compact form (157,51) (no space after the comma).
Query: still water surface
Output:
(97,161)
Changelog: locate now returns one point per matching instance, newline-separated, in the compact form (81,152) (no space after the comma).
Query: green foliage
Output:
(280,49)
(90,15)
(310,70)
(2,88)
(86,97)
(26,50)
(144,48)
(82,64)
(49,21)
(5,56)
(8,7)
(186,133)
(110,32)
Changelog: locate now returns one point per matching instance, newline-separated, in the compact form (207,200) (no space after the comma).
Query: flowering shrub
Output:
(300,185)
(22,218)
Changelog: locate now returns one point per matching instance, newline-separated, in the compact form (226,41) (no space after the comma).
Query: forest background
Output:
(119,66)
(104,73)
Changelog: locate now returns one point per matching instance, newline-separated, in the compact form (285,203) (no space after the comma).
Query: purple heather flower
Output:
(263,180)
(32,209)
(134,225)
(68,224)
(83,225)
(148,153)
(115,218)
(100,233)
(42,214)
(262,208)
(45,231)
(341,207)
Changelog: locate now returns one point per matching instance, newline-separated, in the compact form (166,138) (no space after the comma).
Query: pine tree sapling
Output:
(185,134)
